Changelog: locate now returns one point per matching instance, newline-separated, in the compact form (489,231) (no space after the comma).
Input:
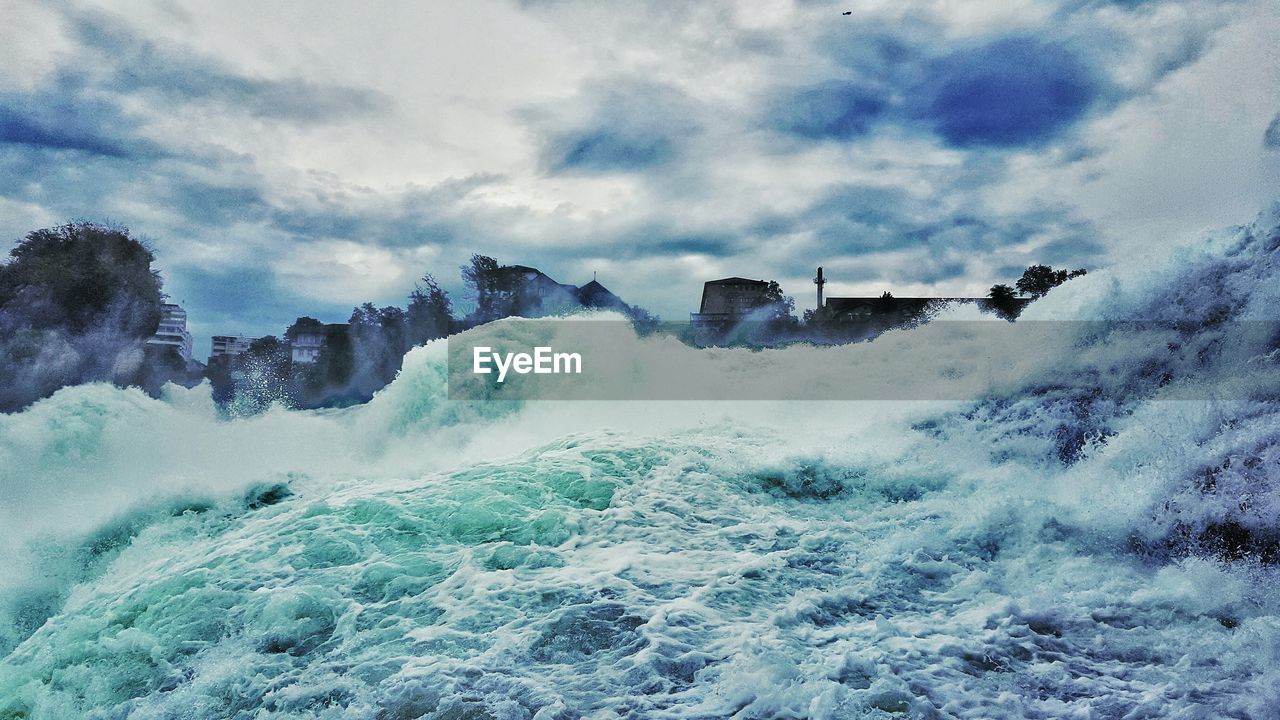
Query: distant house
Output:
(228,346)
(596,296)
(888,311)
(173,331)
(307,343)
(305,347)
(536,293)
(533,293)
(728,301)
(725,303)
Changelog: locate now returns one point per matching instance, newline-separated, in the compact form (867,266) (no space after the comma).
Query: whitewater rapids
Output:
(1045,551)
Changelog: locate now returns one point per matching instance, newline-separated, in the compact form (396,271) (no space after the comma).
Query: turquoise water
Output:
(1035,553)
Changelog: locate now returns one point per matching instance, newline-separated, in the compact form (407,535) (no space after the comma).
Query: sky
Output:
(299,158)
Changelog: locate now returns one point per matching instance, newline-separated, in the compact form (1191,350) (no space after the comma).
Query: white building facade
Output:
(173,330)
(307,346)
(230,345)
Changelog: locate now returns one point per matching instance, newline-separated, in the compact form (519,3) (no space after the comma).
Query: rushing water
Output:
(1041,552)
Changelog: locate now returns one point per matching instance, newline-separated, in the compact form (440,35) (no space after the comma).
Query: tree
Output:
(303,325)
(772,316)
(498,290)
(1038,280)
(77,304)
(1001,293)
(1004,300)
(492,299)
(430,312)
(317,383)
(779,306)
(378,345)
(391,324)
(886,303)
(83,275)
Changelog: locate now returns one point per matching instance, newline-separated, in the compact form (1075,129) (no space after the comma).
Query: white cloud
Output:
(34,46)
(338,270)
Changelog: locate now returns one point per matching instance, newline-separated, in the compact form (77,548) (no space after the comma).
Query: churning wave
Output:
(1079,542)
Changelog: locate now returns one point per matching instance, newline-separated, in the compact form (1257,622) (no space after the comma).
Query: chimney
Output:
(819,281)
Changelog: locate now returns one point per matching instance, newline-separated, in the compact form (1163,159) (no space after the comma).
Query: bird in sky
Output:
(847,12)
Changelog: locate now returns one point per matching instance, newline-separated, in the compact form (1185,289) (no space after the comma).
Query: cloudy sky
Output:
(290,158)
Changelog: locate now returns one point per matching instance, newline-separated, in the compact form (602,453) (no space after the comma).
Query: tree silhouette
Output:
(305,324)
(1001,293)
(1038,280)
(81,275)
(778,305)
(378,344)
(1004,300)
(430,312)
(490,288)
(77,304)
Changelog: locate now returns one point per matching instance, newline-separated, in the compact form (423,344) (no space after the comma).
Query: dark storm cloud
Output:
(611,149)
(334,223)
(656,241)
(212,190)
(1008,92)
(994,92)
(631,126)
(139,66)
(66,133)
(216,204)
(70,145)
(1012,92)
(715,246)
(838,110)
(427,216)
(81,109)
(859,220)
(1271,138)
(1073,251)
(1070,6)
(68,183)
(65,117)
(936,271)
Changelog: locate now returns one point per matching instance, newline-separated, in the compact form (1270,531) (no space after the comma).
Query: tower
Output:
(819,281)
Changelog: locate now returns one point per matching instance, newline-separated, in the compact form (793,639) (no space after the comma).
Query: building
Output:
(528,292)
(885,311)
(536,293)
(735,297)
(306,345)
(730,299)
(726,303)
(228,345)
(596,296)
(173,331)
(308,342)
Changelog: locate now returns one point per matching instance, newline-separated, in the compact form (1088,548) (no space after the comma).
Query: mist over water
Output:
(1074,543)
